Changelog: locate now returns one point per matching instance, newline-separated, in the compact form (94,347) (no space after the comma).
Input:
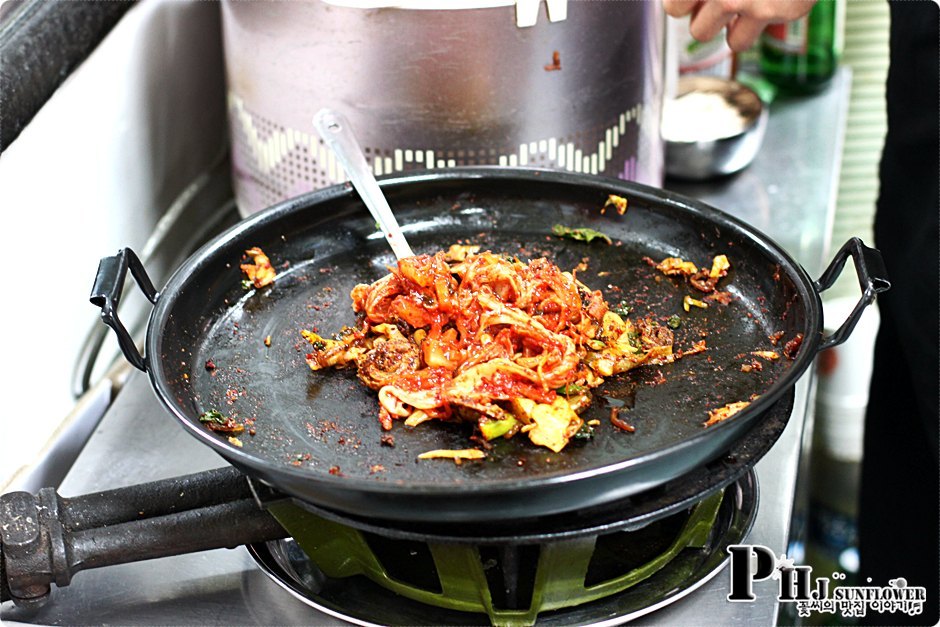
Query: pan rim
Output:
(526,175)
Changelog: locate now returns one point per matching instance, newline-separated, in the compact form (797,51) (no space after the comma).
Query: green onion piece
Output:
(492,429)
(213,416)
(586,432)
(622,309)
(582,234)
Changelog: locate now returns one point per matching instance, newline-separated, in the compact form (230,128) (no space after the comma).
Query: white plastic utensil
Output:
(336,131)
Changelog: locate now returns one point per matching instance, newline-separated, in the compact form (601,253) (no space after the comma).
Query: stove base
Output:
(361,601)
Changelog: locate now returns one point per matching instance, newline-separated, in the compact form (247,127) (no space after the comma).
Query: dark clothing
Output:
(899,520)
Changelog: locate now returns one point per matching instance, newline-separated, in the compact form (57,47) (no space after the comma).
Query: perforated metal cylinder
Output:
(441,88)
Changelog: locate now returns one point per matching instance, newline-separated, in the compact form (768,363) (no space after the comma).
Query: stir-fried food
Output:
(704,279)
(725,412)
(513,347)
(259,271)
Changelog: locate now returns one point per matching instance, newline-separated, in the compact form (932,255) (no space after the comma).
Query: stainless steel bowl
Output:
(713,127)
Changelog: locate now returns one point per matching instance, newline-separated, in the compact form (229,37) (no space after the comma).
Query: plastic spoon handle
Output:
(336,131)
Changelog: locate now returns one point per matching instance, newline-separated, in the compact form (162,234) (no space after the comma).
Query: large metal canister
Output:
(569,85)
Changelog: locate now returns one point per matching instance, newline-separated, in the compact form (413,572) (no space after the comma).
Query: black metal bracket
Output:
(872,278)
(106,294)
(46,539)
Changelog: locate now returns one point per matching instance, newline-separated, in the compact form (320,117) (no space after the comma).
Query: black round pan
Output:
(212,345)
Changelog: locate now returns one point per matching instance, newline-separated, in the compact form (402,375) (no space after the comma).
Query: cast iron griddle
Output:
(316,434)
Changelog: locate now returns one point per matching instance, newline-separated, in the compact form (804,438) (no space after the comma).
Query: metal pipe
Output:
(156,498)
(226,525)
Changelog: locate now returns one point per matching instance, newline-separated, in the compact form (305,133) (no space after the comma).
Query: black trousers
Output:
(899,509)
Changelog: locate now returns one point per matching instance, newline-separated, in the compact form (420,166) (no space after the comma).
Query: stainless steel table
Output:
(788,192)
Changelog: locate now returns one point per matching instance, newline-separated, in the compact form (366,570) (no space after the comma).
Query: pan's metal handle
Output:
(106,294)
(872,278)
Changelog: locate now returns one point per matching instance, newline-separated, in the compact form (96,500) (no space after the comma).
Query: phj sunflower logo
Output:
(752,562)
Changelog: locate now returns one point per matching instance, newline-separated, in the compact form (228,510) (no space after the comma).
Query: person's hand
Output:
(745,19)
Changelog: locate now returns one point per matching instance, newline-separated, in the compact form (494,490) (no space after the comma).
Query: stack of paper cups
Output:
(844,377)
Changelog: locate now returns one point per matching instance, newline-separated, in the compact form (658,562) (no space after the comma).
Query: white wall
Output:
(92,173)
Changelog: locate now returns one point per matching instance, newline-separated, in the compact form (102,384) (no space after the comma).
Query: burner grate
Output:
(509,584)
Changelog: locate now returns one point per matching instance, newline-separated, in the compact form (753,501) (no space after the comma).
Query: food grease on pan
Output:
(686,270)
(720,267)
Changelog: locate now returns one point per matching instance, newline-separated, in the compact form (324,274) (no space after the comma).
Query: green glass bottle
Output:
(802,56)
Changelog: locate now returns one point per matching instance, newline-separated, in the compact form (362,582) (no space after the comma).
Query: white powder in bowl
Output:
(701,116)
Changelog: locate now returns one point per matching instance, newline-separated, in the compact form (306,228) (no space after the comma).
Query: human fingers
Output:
(750,22)
(708,19)
(680,8)
(744,31)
